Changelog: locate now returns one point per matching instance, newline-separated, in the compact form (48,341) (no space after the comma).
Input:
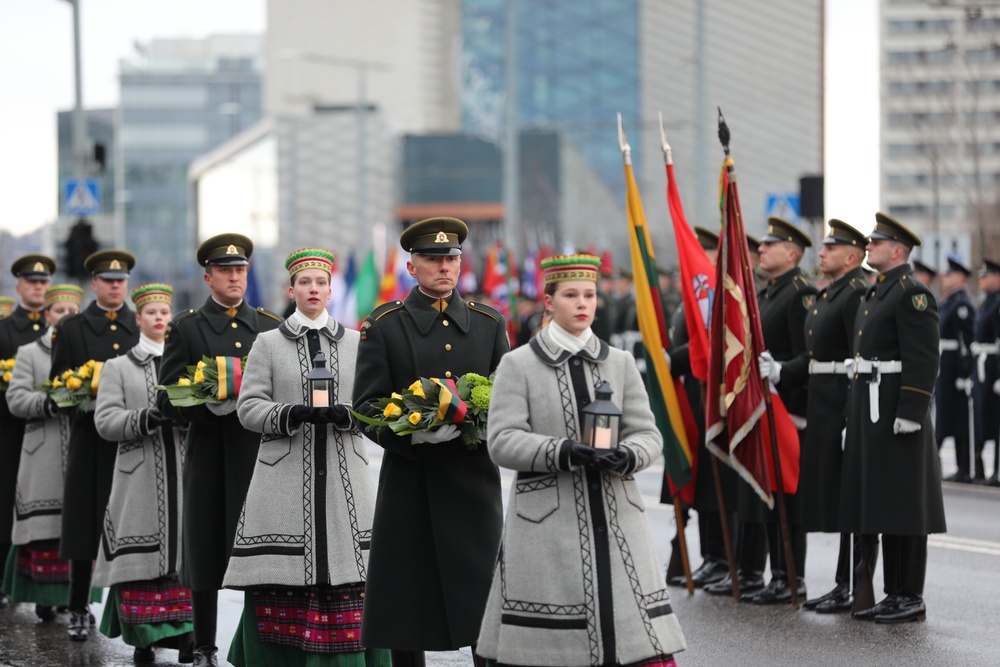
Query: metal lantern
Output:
(600,418)
(320,383)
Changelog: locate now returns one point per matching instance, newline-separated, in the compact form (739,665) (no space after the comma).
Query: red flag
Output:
(734,402)
(697,279)
(788,445)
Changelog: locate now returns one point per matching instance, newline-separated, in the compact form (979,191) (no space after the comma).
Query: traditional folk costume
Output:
(301,547)
(140,539)
(34,571)
(577,580)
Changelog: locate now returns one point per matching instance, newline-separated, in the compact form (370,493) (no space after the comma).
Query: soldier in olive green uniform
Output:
(829,328)
(438,514)
(220,453)
(892,476)
(24,325)
(103,330)
(784,302)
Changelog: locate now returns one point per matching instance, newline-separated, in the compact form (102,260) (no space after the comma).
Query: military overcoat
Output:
(15,330)
(90,334)
(438,512)
(320,535)
(892,482)
(957,326)
(40,477)
(987,371)
(829,325)
(219,453)
(577,580)
(140,540)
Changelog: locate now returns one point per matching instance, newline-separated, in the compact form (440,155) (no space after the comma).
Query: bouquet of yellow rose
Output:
(211,380)
(6,370)
(76,387)
(432,402)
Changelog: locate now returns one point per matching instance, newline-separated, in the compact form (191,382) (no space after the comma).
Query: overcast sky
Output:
(36,80)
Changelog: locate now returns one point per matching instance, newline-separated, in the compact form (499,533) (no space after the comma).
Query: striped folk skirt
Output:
(145,613)
(34,573)
(318,626)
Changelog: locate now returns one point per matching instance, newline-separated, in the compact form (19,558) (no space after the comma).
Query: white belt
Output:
(826,367)
(981,351)
(948,345)
(876,369)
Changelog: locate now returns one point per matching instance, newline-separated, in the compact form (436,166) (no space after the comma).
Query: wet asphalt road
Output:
(962,594)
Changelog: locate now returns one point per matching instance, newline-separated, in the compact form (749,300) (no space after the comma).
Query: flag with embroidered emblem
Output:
(665,393)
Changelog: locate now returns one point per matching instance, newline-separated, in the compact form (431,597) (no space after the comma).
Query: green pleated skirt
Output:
(24,589)
(247,649)
(140,635)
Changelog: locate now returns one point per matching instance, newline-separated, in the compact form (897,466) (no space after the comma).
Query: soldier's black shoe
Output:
(886,606)
(776,592)
(749,583)
(993,481)
(908,609)
(79,627)
(4,601)
(142,656)
(960,477)
(45,613)
(204,656)
(836,605)
(838,592)
(710,572)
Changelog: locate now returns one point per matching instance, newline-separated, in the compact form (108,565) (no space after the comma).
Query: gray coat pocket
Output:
(131,455)
(274,448)
(536,497)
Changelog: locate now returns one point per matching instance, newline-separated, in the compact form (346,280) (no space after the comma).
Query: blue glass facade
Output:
(578,66)
(167,120)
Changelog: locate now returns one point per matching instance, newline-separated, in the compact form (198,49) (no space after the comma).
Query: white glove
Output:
(996,387)
(769,368)
(222,408)
(905,426)
(963,384)
(843,438)
(442,433)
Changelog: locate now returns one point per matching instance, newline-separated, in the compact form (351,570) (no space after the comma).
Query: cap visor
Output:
(447,252)
(772,238)
(229,261)
(34,275)
(112,275)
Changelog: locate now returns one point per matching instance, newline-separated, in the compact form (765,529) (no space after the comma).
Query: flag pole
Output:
(757,335)
(675,496)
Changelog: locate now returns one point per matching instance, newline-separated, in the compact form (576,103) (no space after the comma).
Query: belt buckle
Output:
(874,379)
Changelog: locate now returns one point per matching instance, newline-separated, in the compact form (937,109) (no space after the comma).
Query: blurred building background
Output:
(940,136)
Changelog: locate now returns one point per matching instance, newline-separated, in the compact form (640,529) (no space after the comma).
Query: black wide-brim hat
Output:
(225,250)
(434,236)
(110,264)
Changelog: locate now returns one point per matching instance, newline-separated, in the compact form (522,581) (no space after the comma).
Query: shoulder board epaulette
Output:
(485,310)
(798,282)
(268,313)
(385,309)
(906,281)
(858,282)
(183,316)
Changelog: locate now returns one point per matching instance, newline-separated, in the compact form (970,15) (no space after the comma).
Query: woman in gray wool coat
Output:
(577,581)
(34,571)
(139,554)
(301,549)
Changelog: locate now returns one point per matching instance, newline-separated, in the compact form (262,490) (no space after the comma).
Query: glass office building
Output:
(578,66)
(179,99)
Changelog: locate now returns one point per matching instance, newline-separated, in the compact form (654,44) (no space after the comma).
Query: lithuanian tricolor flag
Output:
(660,385)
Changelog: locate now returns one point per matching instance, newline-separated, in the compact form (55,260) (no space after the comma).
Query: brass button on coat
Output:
(447,346)
(233,325)
(447,374)
(114,327)
(116,346)
(239,344)
(445,322)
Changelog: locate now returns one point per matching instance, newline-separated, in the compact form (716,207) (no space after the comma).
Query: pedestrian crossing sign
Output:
(83,197)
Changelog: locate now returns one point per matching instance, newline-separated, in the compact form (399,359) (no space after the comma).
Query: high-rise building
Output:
(179,99)
(100,126)
(940,143)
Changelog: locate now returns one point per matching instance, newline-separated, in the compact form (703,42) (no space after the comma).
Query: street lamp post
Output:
(79,142)
(362,67)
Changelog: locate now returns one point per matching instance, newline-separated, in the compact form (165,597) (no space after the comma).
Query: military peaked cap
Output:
(887,227)
(779,229)
(33,267)
(434,236)
(110,264)
(842,233)
(225,250)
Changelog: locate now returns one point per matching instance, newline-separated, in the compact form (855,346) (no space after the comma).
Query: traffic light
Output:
(79,245)
(100,157)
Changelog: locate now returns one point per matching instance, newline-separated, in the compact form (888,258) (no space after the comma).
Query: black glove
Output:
(50,408)
(303,414)
(616,460)
(582,455)
(340,417)
(154,419)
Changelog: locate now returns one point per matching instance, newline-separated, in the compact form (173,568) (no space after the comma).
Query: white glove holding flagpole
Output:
(769,368)
(904,426)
